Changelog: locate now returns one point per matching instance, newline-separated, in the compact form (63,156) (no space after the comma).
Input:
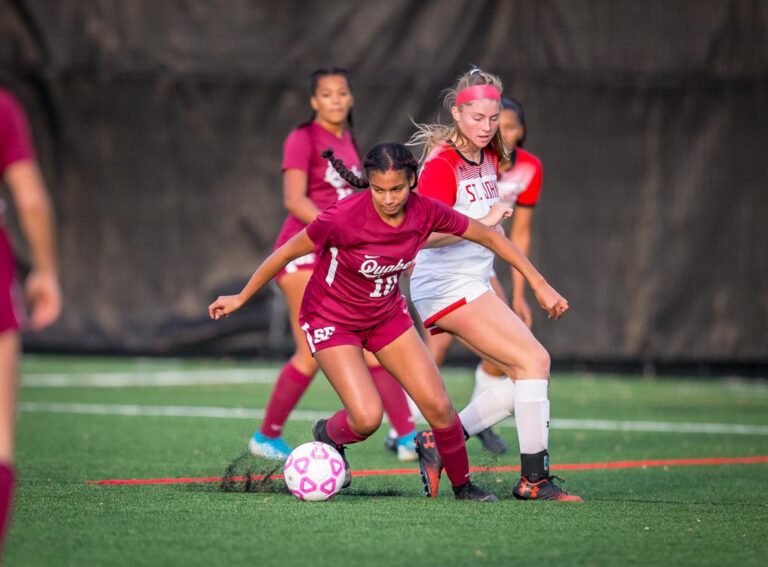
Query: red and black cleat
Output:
(544,489)
(471,491)
(430,463)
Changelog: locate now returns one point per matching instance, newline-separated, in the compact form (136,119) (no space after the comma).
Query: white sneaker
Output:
(270,448)
(406,448)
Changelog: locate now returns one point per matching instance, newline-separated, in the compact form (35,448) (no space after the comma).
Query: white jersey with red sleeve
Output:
(471,189)
(521,184)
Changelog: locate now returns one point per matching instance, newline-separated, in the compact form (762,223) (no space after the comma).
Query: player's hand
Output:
(522,309)
(498,212)
(552,302)
(224,305)
(43,296)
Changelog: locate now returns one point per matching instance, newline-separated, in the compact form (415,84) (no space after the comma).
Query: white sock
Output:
(490,407)
(483,380)
(532,415)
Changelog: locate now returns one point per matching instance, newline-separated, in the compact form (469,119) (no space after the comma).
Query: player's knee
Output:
(540,363)
(366,421)
(304,363)
(439,413)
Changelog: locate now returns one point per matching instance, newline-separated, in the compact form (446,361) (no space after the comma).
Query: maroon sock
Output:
(394,400)
(290,386)
(453,451)
(6,497)
(338,429)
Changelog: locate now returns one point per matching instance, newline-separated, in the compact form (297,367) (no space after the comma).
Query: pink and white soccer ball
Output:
(314,471)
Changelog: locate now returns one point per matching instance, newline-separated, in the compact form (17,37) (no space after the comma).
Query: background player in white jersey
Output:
(520,179)
(450,287)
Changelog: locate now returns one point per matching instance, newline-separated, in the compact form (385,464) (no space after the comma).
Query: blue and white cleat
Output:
(268,447)
(406,448)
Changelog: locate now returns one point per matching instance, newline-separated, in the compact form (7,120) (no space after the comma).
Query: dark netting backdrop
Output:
(160,125)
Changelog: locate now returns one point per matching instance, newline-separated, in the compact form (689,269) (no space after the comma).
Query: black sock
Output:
(535,467)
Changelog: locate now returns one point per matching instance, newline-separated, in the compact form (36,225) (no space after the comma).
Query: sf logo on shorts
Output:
(317,335)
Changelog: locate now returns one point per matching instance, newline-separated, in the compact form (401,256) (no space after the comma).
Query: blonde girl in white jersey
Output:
(451,291)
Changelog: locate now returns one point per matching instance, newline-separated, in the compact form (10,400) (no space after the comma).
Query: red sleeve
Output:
(438,181)
(530,196)
(15,139)
(447,220)
(297,150)
(320,230)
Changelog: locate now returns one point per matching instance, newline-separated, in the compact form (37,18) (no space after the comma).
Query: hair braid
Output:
(345,173)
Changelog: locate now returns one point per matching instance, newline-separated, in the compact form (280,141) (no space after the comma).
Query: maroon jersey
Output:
(15,141)
(361,257)
(302,150)
(15,146)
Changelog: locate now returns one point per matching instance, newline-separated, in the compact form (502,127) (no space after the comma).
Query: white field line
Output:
(255,414)
(156,378)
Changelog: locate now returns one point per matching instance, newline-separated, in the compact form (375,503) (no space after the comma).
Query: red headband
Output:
(478,91)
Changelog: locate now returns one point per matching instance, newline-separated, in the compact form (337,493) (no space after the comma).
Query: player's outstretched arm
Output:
(299,245)
(520,234)
(33,204)
(499,212)
(549,299)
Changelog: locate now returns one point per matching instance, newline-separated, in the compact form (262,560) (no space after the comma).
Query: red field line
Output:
(389,472)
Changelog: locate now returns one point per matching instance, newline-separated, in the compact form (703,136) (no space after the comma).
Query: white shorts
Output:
(432,309)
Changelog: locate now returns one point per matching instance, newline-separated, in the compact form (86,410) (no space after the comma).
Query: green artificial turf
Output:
(686,515)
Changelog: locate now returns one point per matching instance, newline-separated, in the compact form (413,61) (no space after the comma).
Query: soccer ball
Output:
(314,471)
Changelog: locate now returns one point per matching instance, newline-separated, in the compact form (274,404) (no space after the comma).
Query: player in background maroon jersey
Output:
(19,171)
(311,185)
(451,289)
(353,301)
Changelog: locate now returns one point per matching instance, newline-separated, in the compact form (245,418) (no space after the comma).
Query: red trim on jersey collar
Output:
(478,91)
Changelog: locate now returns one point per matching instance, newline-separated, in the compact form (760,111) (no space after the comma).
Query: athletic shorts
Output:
(307,262)
(11,310)
(322,334)
(432,309)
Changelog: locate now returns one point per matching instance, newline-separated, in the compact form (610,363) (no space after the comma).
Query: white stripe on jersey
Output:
(332,267)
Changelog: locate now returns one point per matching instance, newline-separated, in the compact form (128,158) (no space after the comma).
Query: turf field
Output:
(86,419)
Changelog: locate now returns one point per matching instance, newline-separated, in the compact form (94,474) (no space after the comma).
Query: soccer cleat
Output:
(544,489)
(406,448)
(319,434)
(430,463)
(390,442)
(273,448)
(492,441)
(471,491)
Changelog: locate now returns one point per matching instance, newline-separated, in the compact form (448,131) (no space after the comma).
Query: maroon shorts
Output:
(307,262)
(10,295)
(322,334)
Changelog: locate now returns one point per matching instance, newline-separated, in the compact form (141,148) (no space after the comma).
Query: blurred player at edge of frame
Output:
(20,172)
(451,291)
(311,185)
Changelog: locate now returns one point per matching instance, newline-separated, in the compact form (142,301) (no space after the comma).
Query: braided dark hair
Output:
(385,156)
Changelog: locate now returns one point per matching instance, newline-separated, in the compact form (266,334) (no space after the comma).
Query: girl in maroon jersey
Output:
(310,185)
(353,301)
(20,172)
(451,289)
